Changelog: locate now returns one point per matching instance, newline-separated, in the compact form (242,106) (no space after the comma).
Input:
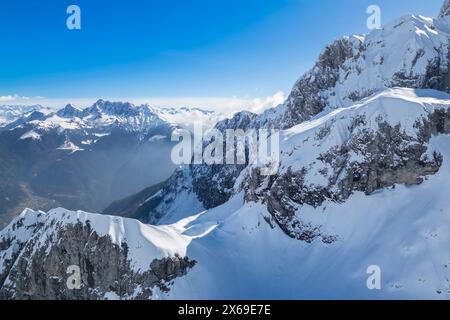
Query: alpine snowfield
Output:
(403,229)
(363,182)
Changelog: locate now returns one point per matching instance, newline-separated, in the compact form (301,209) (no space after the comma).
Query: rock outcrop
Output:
(376,153)
(37,249)
(410,52)
(445,10)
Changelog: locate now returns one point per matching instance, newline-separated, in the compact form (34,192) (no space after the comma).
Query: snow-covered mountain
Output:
(362,181)
(86,158)
(342,201)
(126,258)
(410,52)
(106,116)
(10,113)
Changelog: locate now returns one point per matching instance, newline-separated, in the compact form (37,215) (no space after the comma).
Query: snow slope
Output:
(303,144)
(403,230)
(363,181)
(244,258)
(148,242)
(409,52)
(240,255)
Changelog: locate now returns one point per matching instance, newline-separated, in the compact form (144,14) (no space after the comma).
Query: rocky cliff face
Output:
(392,146)
(374,153)
(445,10)
(307,98)
(410,52)
(37,249)
(200,186)
(349,142)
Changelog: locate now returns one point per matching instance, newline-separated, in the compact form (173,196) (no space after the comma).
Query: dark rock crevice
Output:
(40,270)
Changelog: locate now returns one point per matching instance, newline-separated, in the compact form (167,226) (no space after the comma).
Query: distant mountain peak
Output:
(114,108)
(69,111)
(10,113)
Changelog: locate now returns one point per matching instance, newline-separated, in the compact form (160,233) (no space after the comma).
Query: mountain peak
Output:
(69,111)
(114,108)
(445,10)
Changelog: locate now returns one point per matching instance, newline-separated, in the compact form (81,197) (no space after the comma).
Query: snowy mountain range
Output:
(363,181)
(410,52)
(85,158)
(104,116)
(10,113)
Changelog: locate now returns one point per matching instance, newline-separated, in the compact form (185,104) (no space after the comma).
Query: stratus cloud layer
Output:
(12,99)
(221,104)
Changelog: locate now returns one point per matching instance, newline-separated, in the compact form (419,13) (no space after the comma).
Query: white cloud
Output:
(258,105)
(15,99)
(7,98)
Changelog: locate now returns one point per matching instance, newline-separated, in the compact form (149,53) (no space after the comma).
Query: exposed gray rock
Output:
(445,10)
(212,185)
(312,92)
(306,98)
(333,82)
(391,157)
(38,270)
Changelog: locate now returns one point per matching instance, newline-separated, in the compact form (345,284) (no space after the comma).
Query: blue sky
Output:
(174,48)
